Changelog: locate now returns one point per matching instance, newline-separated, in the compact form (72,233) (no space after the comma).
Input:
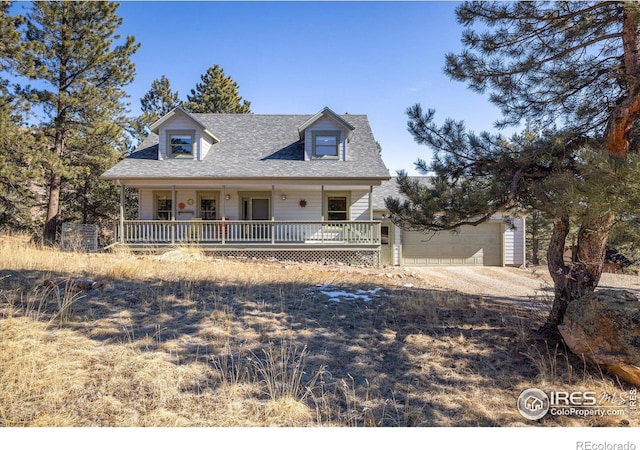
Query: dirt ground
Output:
(510,284)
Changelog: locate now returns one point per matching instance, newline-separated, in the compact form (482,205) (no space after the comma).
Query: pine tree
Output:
(69,51)
(538,233)
(9,35)
(19,146)
(20,170)
(216,94)
(85,197)
(157,102)
(572,69)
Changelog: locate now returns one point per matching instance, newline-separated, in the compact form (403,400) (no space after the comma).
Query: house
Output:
(283,186)
(614,261)
(296,187)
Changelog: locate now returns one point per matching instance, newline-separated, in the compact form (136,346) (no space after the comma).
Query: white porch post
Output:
(222,228)
(173,214)
(273,213)
(121,224)
(374,234)
(272,204)
(322,202)
(370,202)
(322,213)
(224,203)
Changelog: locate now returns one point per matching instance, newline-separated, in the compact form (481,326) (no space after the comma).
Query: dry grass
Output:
(184,339)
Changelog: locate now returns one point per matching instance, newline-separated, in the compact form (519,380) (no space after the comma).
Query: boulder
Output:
(604,328)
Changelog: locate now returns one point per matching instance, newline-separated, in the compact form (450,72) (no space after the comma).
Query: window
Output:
(337,208)
(163,205)
(180,144)
(208,210)
(384,235)
(325,144)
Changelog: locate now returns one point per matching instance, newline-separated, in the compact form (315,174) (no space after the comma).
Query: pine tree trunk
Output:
(581,276)
(53,207)
(85,201)
(55,185)
(558,271)
(535,241)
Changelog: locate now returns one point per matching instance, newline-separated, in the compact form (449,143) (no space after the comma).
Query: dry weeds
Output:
(186,339)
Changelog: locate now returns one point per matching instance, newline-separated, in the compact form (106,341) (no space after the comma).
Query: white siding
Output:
(189,211)
(397,246)
(325,124)
(360,205)
(290,208)
(205,144)
(145,205)
(230,208)
(514,242)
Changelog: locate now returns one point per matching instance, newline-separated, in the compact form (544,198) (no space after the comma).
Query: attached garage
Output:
(474,246)
(498,242)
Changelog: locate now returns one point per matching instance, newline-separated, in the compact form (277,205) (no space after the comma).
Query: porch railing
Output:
(158,232)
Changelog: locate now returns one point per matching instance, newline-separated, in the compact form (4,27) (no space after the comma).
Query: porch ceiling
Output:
(302,185)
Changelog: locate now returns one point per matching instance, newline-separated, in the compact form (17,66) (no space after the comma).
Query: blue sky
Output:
(375,58)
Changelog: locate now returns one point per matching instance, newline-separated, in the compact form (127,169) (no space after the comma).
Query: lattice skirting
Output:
(350,257)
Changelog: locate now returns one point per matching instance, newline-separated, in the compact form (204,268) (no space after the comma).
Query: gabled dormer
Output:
(182,136)
(325,136)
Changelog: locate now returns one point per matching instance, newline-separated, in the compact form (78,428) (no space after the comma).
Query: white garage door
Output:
(477,246)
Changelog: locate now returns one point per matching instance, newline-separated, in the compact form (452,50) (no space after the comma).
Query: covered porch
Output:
(298,222)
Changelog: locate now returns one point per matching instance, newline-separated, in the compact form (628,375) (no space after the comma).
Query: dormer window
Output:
(325,144)
(180,143)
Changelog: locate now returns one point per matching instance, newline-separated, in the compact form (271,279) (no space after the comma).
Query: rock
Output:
(55,282)
(604,328)
(82,284)
(77,284)
(103,285)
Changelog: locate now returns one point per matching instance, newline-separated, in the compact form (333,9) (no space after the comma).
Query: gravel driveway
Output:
(509,284)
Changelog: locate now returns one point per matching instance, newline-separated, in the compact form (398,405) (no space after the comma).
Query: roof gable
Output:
(155,127)
(326,112)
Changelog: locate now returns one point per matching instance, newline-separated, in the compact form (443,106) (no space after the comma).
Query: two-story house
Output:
(286,186)
(294,187)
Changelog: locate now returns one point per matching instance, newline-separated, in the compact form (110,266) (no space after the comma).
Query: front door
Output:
(257,209)
(260,209)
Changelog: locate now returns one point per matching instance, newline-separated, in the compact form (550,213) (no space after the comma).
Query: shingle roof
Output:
(613,256)
(255,145)
(389,188)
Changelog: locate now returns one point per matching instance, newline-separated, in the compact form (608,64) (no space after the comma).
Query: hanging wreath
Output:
(303,203)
